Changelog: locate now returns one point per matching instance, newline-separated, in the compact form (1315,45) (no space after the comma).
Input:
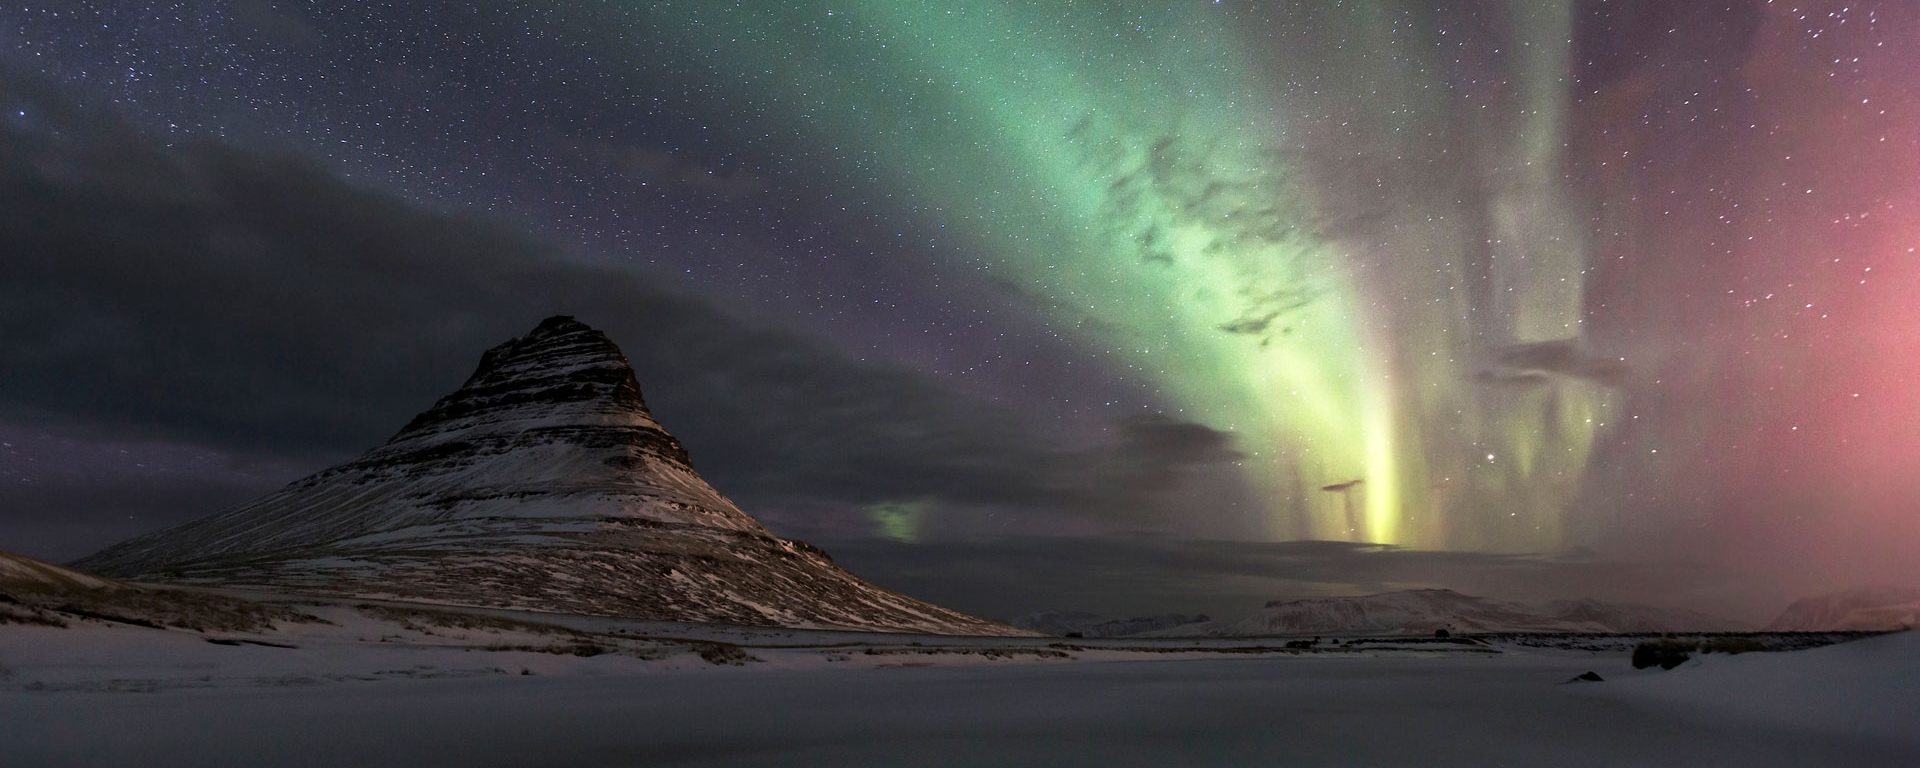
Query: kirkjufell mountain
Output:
(543,483)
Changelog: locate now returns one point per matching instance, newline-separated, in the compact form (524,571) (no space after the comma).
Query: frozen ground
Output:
(387,685)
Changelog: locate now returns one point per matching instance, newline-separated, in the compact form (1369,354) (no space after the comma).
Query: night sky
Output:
(1119,306)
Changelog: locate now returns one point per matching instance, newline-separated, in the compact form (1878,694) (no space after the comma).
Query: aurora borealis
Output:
(1627,277)
(1169,187)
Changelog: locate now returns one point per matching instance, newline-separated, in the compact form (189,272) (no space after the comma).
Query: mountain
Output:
(1420,611)
(1083,624)
(1632,617)
(27,586)
(19,573)
(1867,608)
(542,483)
(33,592)
(1423,611)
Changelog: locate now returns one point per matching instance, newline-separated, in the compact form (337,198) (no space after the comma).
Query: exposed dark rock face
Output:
(541,483)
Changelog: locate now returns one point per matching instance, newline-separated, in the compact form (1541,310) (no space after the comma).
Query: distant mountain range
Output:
(1866,608)
(1425,611)
(1410,612)
(542,483)
(1083,624)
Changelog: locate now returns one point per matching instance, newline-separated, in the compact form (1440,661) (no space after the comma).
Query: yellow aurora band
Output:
(1211,199)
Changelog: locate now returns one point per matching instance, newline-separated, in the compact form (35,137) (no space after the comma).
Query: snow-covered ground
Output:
(389,686)
(1866,689)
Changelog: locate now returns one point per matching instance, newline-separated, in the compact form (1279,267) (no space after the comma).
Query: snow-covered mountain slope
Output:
(1868,608)
(1632,617)
(19,572)
(542,483)
(1423,611)
(36,593)
(1419,611)
(1083,624)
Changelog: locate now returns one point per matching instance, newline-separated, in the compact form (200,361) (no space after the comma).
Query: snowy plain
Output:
(378,688)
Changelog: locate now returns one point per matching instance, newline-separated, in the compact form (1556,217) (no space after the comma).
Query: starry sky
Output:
(1161,304)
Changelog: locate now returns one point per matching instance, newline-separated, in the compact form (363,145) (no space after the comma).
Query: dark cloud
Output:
(251,303)
(1263,307)
(68,489)
(63,518)
(1151,197)
(1155,454)
(1566,357)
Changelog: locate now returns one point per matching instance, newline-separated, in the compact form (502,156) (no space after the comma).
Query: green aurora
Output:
(1238,224)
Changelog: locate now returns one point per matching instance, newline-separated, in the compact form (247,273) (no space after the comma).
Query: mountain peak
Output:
(543,483)
(561,370)
(560,330)
(561,322)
